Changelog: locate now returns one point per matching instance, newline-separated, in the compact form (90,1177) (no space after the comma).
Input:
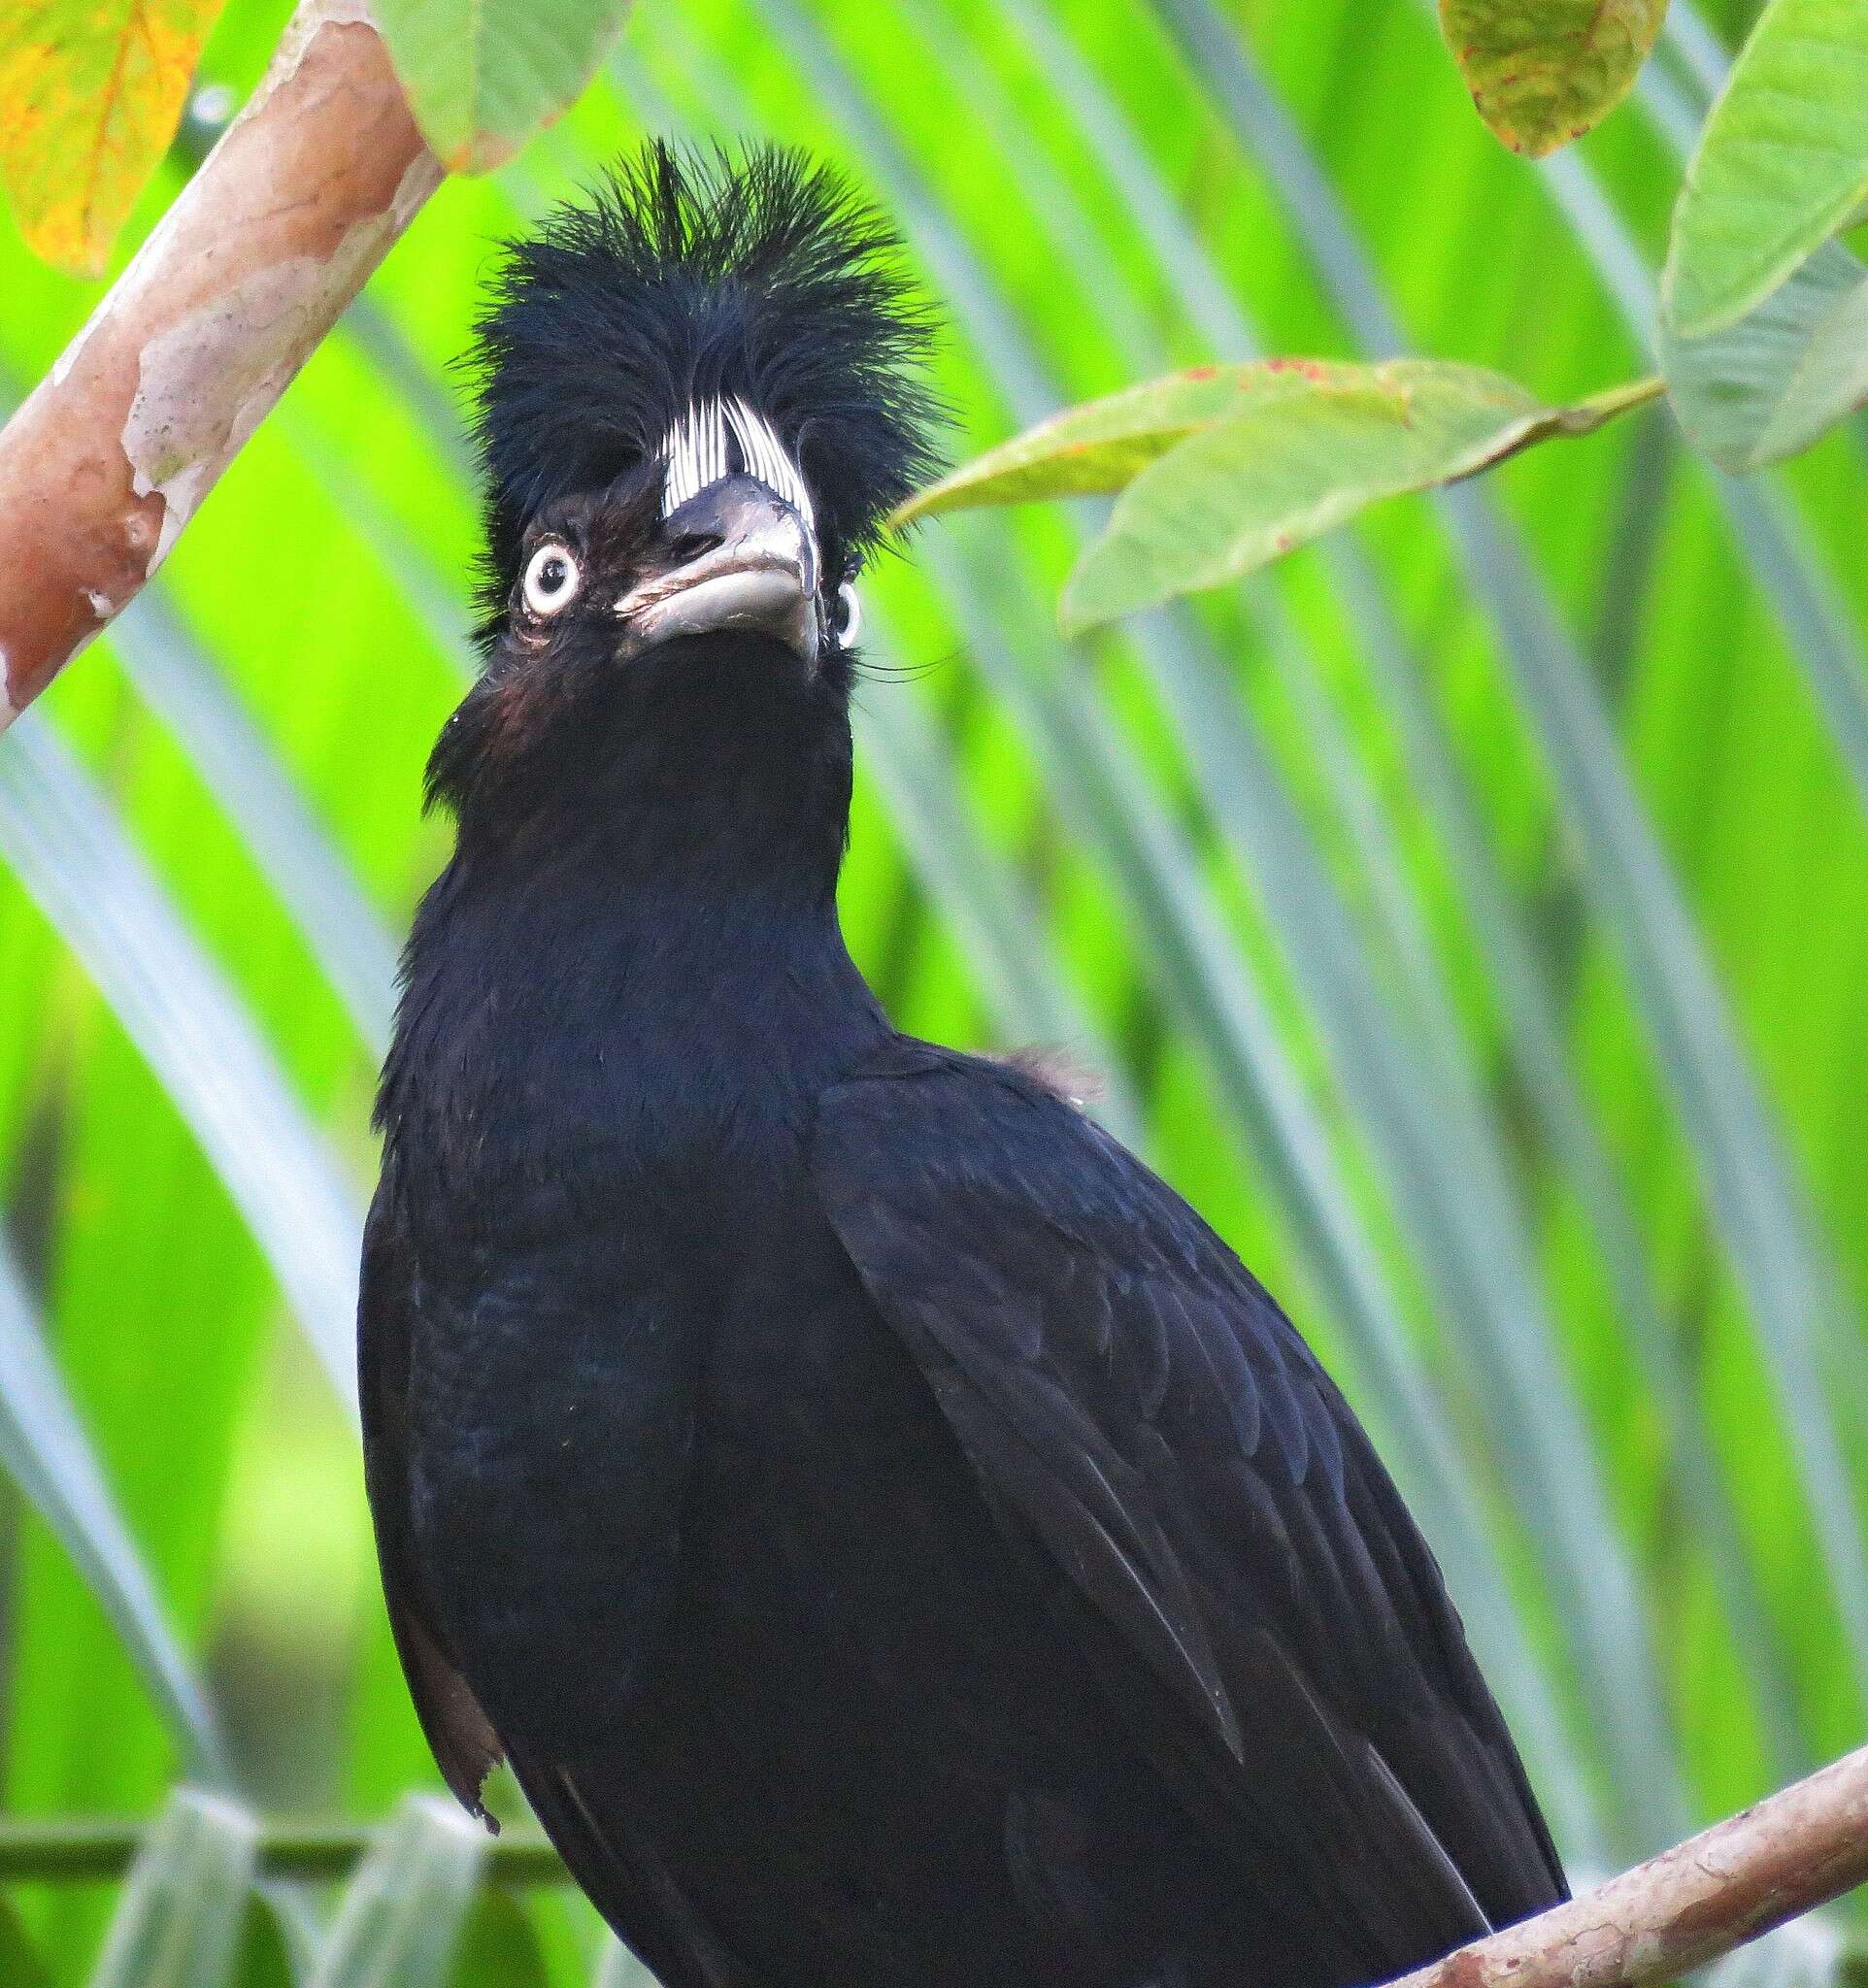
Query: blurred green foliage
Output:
(1471,915)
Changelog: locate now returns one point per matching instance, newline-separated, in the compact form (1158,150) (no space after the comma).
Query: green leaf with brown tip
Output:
(1543,71)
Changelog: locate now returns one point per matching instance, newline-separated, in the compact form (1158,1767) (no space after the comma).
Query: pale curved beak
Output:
(756,570)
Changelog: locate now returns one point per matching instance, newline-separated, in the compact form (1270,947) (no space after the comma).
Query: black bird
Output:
(895,1542)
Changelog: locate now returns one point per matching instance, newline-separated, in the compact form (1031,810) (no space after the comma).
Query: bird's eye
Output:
(850,613)
(550,580)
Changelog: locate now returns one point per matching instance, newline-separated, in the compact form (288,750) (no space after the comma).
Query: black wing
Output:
(1142,1415)
(621,1876)
(458,1732)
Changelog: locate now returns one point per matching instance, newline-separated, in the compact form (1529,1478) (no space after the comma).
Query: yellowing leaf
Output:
(1543,71)
(90,93)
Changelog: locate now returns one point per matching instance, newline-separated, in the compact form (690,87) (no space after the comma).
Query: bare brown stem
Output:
(1780,1858)
(105,463)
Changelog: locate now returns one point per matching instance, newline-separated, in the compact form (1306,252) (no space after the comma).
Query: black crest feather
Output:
(682,275)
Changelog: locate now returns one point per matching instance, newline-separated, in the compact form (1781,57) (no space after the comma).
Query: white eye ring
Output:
(552,579)
(852,612)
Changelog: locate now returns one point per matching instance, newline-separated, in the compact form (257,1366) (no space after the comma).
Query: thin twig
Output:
(1778,1858)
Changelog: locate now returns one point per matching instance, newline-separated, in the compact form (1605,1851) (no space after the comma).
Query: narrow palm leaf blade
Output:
(44,1448)
(183,1905)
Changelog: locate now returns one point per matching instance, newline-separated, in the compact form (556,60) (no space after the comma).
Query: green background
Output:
(1471,915)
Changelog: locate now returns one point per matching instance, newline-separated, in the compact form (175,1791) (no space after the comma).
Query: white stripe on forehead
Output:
(718,438)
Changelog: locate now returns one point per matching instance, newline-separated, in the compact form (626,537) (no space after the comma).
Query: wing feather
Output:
(458,1732)
(1140,1412)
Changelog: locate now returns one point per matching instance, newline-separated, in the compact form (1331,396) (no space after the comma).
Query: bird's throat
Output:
(708,767)
(645,958)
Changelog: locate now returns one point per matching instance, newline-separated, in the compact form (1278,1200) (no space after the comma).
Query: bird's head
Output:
(700,394)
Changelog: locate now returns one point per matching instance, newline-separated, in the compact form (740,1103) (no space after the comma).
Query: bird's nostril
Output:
(689,545)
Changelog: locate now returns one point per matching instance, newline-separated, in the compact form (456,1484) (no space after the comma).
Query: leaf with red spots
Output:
(1226,468)
(1543,71)
(90,93)
(1097,448)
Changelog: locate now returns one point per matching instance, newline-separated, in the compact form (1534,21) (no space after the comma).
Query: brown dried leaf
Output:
(90,94)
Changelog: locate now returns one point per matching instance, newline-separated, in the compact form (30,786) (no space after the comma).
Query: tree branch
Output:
(1780,1858)
(102,467)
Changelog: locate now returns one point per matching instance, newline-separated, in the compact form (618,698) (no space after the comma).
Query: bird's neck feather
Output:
(713,767)
(646,916)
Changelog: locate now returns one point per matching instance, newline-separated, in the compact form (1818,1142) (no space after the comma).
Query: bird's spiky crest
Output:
(686,278)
